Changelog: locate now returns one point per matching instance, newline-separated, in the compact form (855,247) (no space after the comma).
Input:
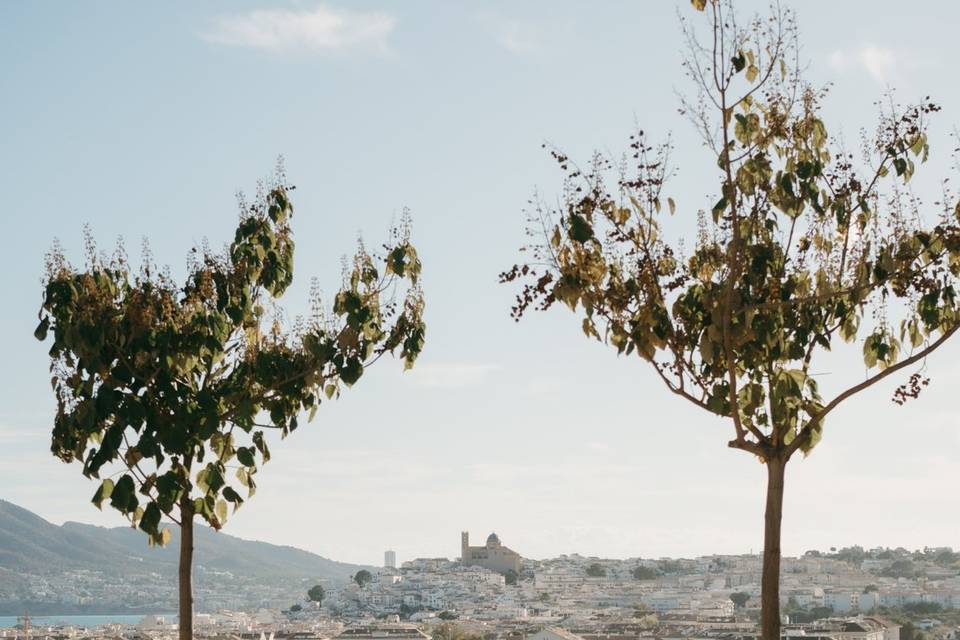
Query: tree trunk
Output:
(186,568)
(770,581)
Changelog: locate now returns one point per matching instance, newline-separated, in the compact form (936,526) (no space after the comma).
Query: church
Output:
(493,555)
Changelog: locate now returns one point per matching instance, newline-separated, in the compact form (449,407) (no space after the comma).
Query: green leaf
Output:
(246,457)
(351,371)
(221,511)
(40,333)
(261,445)
(580,229)
(230,494)
(103,492)
(718,209)
(812,440)
(150,520)
(739,62)
(124,498)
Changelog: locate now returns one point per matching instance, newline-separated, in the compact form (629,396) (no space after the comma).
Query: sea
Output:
(81,620)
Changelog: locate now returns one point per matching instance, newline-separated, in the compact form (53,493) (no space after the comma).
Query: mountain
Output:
(30,544)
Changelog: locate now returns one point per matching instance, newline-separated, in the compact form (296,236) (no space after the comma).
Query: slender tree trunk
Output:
(186,568)
(770,581)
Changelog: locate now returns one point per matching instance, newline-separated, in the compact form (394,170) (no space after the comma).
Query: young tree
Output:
(316,594)
(176,385)
(739,599)
(804,246)
(641,572)
(362,577)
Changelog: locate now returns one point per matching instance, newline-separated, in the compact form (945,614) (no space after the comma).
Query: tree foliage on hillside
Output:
(641,572)
(803,247)
(316,594)
(362,578)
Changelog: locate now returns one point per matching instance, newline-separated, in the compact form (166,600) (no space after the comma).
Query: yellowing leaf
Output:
(699,5)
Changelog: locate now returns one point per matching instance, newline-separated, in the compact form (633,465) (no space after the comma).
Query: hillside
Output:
(30,544)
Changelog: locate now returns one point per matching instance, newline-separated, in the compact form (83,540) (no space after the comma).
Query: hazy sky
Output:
(145,120)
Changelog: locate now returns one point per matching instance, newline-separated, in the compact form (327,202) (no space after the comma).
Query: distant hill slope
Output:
(30,544)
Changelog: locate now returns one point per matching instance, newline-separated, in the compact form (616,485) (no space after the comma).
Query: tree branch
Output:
(869,382)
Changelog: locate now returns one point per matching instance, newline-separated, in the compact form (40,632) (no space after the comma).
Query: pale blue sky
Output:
(145,121)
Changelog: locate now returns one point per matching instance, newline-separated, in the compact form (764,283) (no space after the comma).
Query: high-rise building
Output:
(390,559)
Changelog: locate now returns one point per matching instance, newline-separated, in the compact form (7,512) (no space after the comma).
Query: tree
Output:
(739,599)
(296,608)
(316,593)
(946,558)
(510,577)
(909,632)
(362,577)
(596,570)
(792,605)
(174,385)
(802,248)
(899,569)
(670,566)
(641,572)
(854,555)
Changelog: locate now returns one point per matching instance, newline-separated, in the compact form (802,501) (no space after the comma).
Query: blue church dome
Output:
(493,540)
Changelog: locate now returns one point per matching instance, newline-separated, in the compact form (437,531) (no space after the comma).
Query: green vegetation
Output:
(316,594)
(362,578)
(804,248)
(171,384)
(899,569)
(740,599)
(643,573)
(670,566)
(923,608)
(596,570)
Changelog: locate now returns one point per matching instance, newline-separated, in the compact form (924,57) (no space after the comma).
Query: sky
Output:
(145,120)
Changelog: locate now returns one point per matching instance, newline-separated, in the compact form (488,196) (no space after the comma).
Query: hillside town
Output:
(491,592)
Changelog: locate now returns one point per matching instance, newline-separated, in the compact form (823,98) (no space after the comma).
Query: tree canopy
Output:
(362,577)
(641,572)
(166,380)
(316,593)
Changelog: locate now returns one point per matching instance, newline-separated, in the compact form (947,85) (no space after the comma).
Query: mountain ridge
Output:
(31,544)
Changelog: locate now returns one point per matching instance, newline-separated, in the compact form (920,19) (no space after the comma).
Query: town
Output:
(491,592)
